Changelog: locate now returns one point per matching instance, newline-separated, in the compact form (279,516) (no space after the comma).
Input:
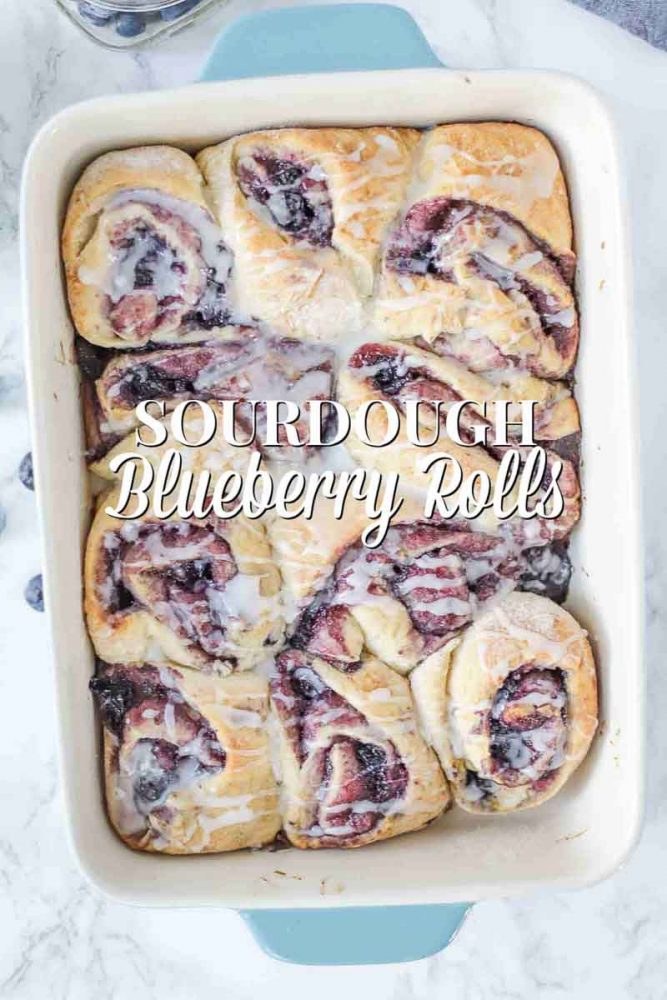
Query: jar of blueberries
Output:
(121,23)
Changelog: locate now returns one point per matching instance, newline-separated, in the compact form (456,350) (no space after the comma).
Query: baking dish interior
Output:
(589,828)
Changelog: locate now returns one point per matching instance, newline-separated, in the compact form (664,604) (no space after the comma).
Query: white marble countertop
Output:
(59,937)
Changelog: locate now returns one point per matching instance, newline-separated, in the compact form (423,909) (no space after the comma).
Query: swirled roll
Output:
(247,367)
(480,266)
(305,212)
(406,598)
(186,759)
(202,592)
(144,258)
(511,706)
(403,375)
(354,767)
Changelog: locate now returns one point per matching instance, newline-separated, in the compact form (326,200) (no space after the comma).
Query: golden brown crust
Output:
(235,807)
(384,699)
(302,290)
(455,689)
(510,167)
(164,168)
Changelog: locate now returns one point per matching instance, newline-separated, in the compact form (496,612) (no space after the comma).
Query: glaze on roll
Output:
(186,757)
(406,598)
(511,706)
(247,367)
(305,212)
(402,374)
(203,592)
(480,265)
(145,260)
(354,767)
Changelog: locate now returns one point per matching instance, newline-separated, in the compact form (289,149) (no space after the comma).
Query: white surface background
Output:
(58,938)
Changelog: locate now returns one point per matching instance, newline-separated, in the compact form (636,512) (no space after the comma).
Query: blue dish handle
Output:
(321,39)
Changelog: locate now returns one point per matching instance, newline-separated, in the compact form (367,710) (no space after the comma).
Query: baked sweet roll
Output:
(511,707)
(402,374)
(144,258)
(355,768)
(305,212)
(186,759)
(246,367)
(481,266)
(202,592)
(406,598)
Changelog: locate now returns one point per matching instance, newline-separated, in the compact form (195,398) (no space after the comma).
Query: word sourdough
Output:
(168,489)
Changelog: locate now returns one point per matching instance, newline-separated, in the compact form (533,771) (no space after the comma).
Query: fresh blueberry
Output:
(130,25)
(34,593)
(96,15)
(178,10)
(26,474)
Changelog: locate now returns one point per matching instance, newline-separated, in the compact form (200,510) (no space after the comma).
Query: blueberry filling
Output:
(212,310)
(433,231)
(116,693)
(254,368)
(159,767)
(148,381)
(91,358)
(307,684)
(390,371)
(385,780)
(156,771)
(528,725)
(478,789)
(295,194)
(168,267)
(195,575)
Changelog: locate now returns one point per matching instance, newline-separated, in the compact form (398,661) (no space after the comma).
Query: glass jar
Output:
(122,23)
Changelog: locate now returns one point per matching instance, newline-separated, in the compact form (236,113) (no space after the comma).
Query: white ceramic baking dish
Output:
(586,831)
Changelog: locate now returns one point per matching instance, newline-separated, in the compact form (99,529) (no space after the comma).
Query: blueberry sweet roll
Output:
(404,599)
(413,380)
(355,768)
(202,592)
(511,707)
(246,367)
(145,260)
(186,759)
(480,266)
(305,212)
